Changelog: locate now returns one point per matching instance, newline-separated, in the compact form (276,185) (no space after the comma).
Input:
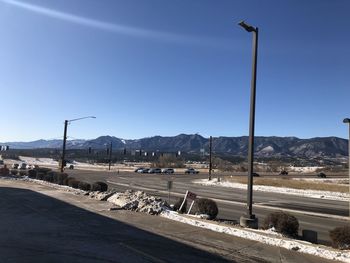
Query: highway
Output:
(313,214)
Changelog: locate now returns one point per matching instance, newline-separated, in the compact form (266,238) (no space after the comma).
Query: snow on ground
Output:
(265,237)
(340,181)
(304,169)
(282,190)
(138,201)
(38,161)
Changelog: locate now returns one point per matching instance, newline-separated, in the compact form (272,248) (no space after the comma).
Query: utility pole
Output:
(347,120)
(210,160)
(64,146)
(110,156)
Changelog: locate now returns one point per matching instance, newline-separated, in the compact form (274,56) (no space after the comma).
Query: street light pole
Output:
(347,120)
(249,220)
(66,122)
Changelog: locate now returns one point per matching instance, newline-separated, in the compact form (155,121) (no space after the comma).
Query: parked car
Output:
(145,171)
(321,175)
(168,171)
(139,170)
(155,171)
(256,175)
(191,171)
(15,166)
(284,172)
(2,164)
(71,167)
(22,166)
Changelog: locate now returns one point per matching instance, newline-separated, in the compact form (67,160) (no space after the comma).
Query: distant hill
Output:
(193,143)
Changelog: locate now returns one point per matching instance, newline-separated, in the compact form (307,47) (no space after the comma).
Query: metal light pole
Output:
(347,120)
(110,157)
(249,220)
(66,122)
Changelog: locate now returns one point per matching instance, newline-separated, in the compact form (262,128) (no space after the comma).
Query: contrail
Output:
(121,29)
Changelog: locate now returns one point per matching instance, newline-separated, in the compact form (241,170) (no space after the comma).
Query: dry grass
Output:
(296,184)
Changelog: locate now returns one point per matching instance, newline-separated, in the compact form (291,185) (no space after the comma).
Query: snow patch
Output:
(268,237)
(338,196)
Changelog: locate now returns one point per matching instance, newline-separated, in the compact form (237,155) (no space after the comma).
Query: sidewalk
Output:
(42,224)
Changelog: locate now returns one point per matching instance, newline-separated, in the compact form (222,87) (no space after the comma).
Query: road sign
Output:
(191,196)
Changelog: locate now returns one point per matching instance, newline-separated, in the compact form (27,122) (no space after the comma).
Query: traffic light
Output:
(140,152)
(89,151)
(124,151)
(107,151)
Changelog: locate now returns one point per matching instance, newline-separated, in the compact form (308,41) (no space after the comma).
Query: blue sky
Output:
(162,67)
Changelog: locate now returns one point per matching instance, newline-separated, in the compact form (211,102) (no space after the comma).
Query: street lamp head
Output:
(247,27)
(346,120)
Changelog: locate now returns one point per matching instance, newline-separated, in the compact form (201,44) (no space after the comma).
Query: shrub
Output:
(39,176)
(84,186)
(32,173)
(67,180)
(99,186)
(14,172)
(43,170)
(340,237)
(22,173)
(73,183)
(58,178)
(177,205)
(48,177)
(208,207)
(283,223)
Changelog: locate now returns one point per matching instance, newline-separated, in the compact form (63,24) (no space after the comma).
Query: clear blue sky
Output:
(162,67)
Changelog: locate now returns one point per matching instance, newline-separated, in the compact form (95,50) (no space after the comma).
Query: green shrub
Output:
(340,237)
(207,206)
(177,205)
(84,186)
(99,186)
(283,223)
(14,172)
(73,183)
(32,173)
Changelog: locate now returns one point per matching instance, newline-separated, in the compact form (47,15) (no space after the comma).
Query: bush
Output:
(32,173)
(22,173)
(39,176)
(73,183)
(14,172)
(177,205)
(67,180)
(283,223)
(208,207)
(84,186)
(43,170)
(340,237)
(59,178)
(48,177)
(99,186)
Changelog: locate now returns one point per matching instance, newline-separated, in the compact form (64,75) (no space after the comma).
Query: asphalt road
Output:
(313,214)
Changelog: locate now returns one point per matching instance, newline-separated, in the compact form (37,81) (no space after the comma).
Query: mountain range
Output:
(193,143)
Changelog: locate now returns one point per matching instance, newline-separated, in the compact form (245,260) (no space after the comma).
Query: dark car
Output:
(168,171)
(191,171)
(283,172)
(321,175)
(145,171)
(71,166)
(155,171)
(256,175)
